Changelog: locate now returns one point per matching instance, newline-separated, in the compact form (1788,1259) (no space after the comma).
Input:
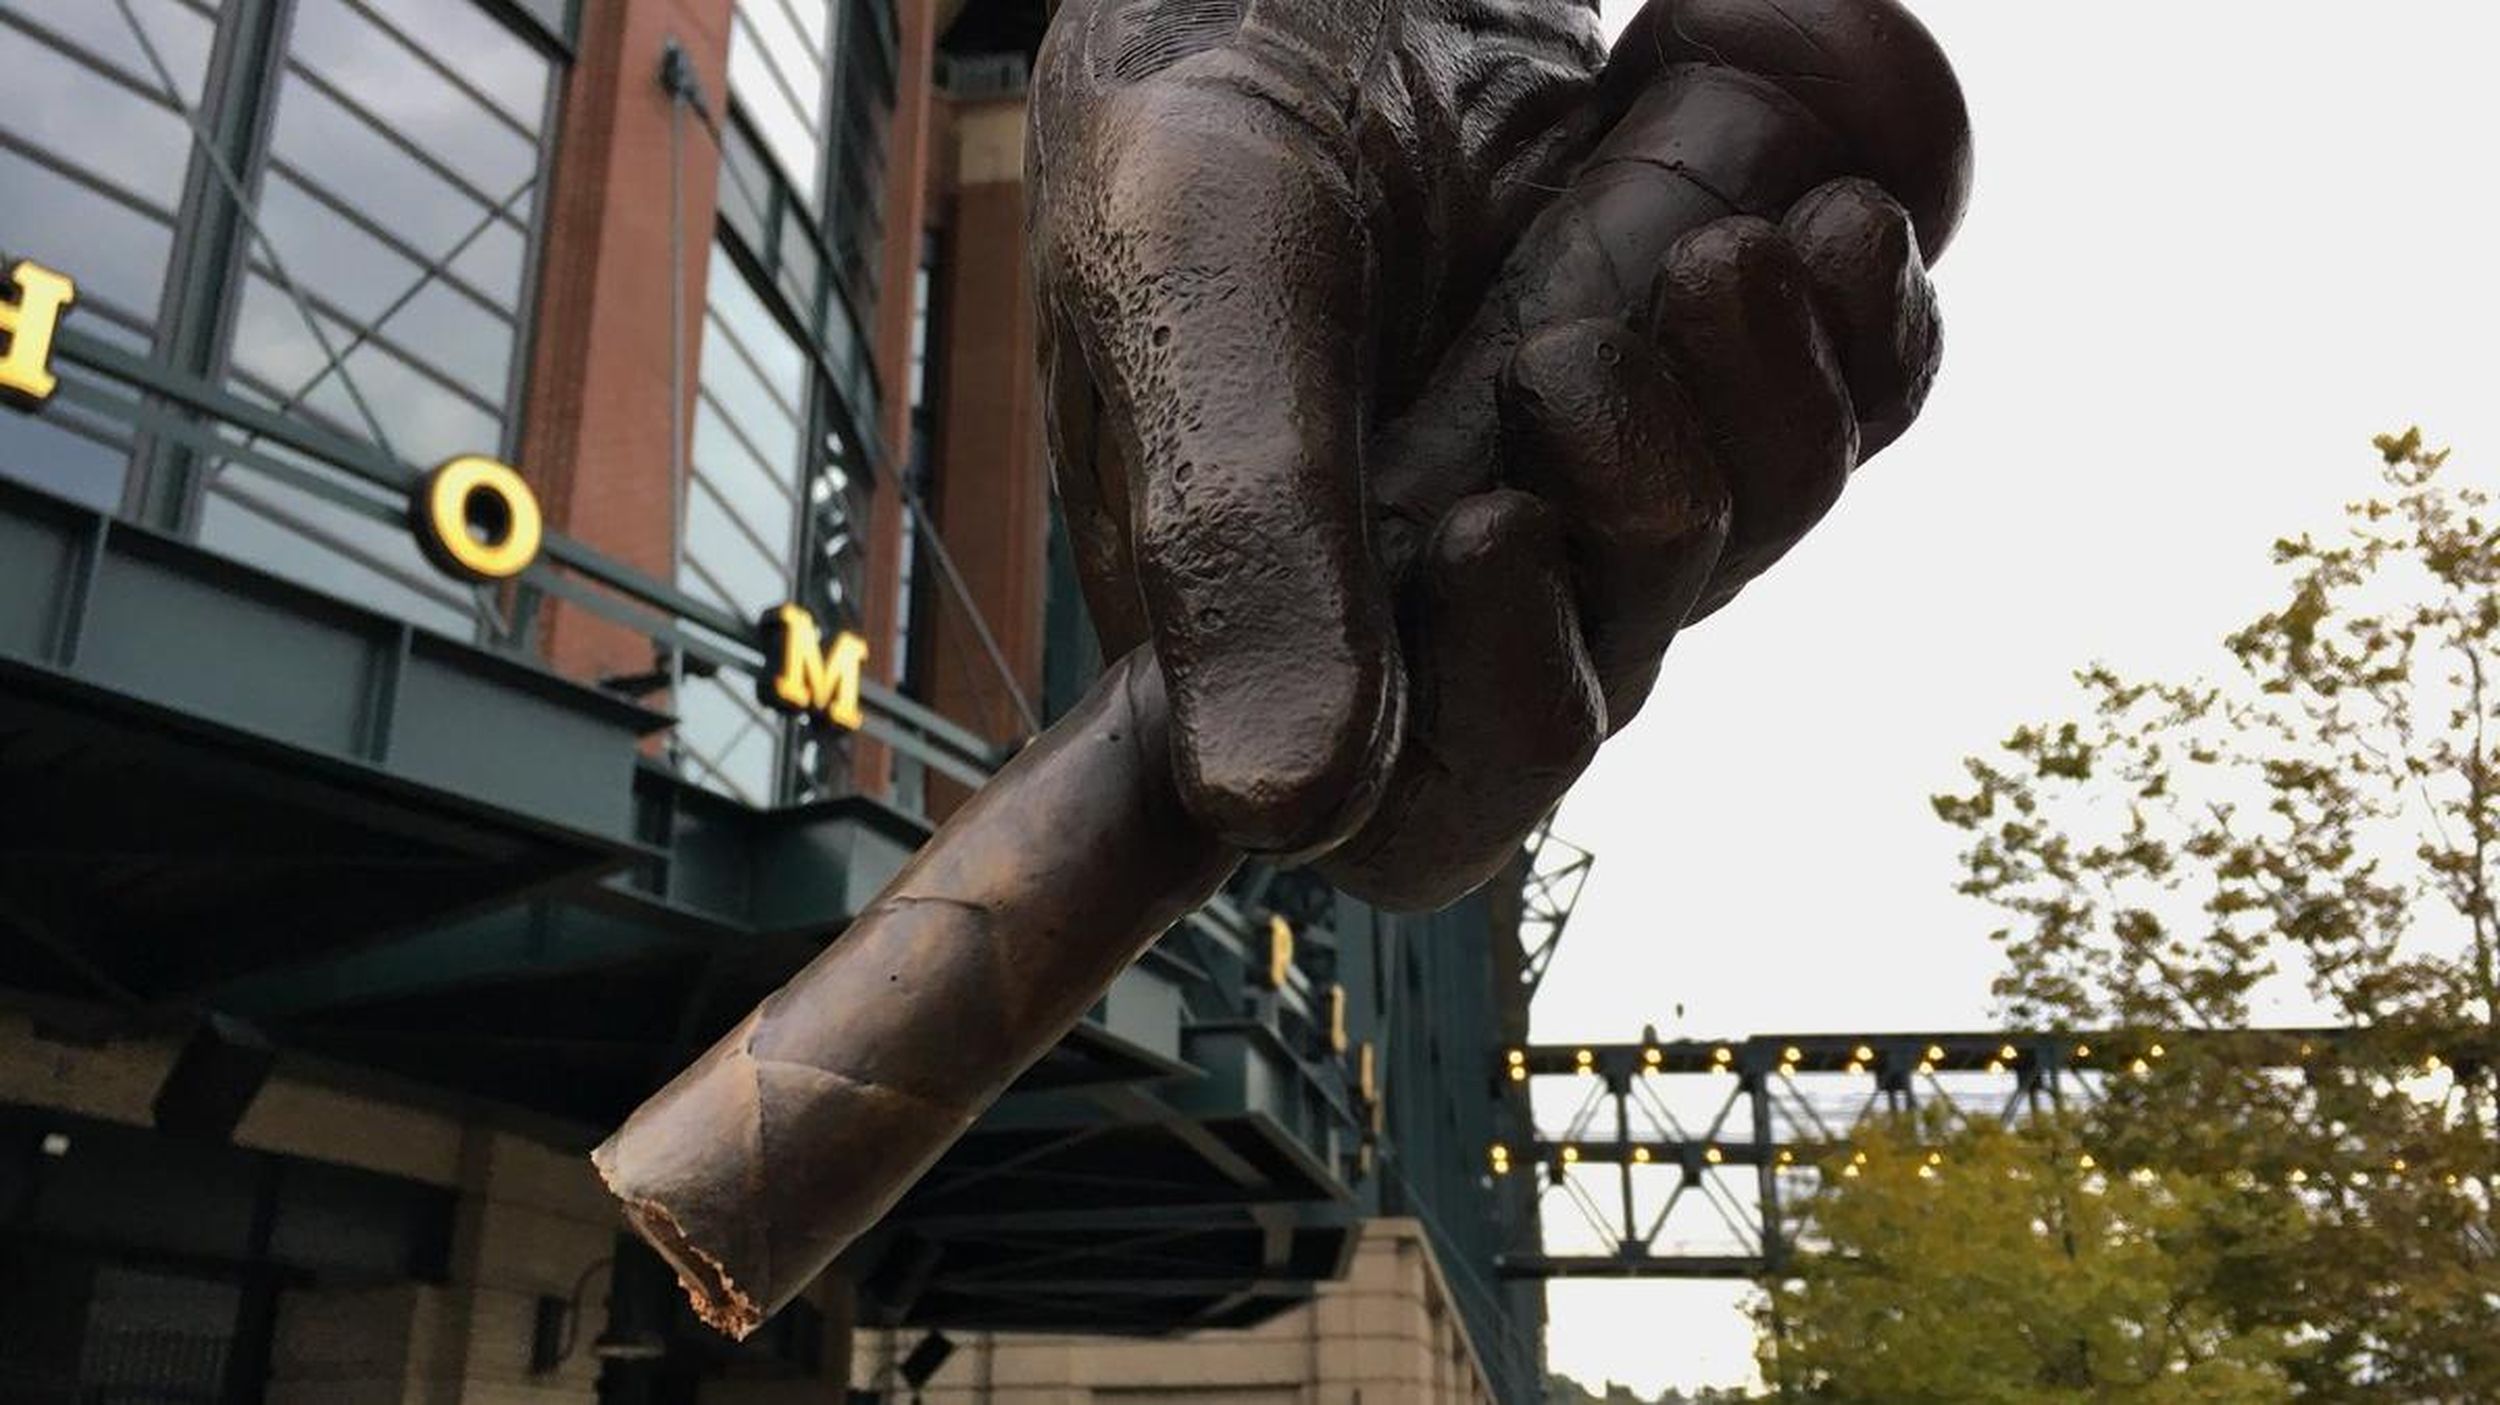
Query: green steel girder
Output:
(242,658)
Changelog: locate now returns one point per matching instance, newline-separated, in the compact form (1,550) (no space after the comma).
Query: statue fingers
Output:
(1594,423)
(1201,247)
(1734,311)
(1505,708)
(1870,288)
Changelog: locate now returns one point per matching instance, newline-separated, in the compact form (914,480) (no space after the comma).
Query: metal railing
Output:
(216,425)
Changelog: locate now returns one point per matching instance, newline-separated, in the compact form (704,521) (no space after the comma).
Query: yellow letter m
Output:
(813,676)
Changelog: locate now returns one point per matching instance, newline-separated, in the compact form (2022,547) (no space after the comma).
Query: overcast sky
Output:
(2214,246)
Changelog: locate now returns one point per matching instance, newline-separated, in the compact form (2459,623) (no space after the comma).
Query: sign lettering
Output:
(30,312)
(477,519)
(813,677)
(1279,951)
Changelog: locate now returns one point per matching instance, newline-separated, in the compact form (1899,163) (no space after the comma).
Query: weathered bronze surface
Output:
(1416,372)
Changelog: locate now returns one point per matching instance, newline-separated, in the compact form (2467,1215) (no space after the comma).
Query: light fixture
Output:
(1713,1155)
(1640,1155)
(1571,1156)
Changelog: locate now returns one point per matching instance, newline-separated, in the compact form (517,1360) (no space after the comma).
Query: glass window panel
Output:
(93,122)
(340,151)
(489,57)
(495,262)
(744,186)
(793,137)
(735,739)
(457,337)
(117,254)
(336,261)
(180,34)
(48,451)
(401,93)
(750,404)
(814,18)
(761,496)
(273,343)
(799,64)
(556,15)
(424,420)
(755,582)
(765,340)
(800,265)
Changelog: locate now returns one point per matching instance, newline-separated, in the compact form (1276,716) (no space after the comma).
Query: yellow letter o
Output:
(444,508)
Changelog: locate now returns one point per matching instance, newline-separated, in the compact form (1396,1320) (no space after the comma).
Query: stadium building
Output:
(516,516)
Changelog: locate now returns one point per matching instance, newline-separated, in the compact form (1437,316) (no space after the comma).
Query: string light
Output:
(1640,1155)
(1714,1156)
(1571,1156)
(1865,1054)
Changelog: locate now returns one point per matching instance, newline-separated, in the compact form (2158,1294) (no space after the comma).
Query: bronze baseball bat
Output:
(761,1162)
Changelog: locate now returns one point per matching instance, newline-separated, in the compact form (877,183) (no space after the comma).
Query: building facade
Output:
(516,517)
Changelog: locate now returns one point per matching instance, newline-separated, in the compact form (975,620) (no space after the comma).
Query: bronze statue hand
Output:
(1415,378)
(1347,303)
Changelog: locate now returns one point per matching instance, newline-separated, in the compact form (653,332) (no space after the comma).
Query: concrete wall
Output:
(1385,1335)
(531,1220)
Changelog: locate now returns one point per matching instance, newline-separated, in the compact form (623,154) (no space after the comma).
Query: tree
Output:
(2318,830)
(1991,1267)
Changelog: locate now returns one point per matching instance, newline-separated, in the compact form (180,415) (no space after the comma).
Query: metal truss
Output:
(1682,1157)
(1557,870)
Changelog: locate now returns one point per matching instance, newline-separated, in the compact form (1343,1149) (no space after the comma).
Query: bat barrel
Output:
(793,1135)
